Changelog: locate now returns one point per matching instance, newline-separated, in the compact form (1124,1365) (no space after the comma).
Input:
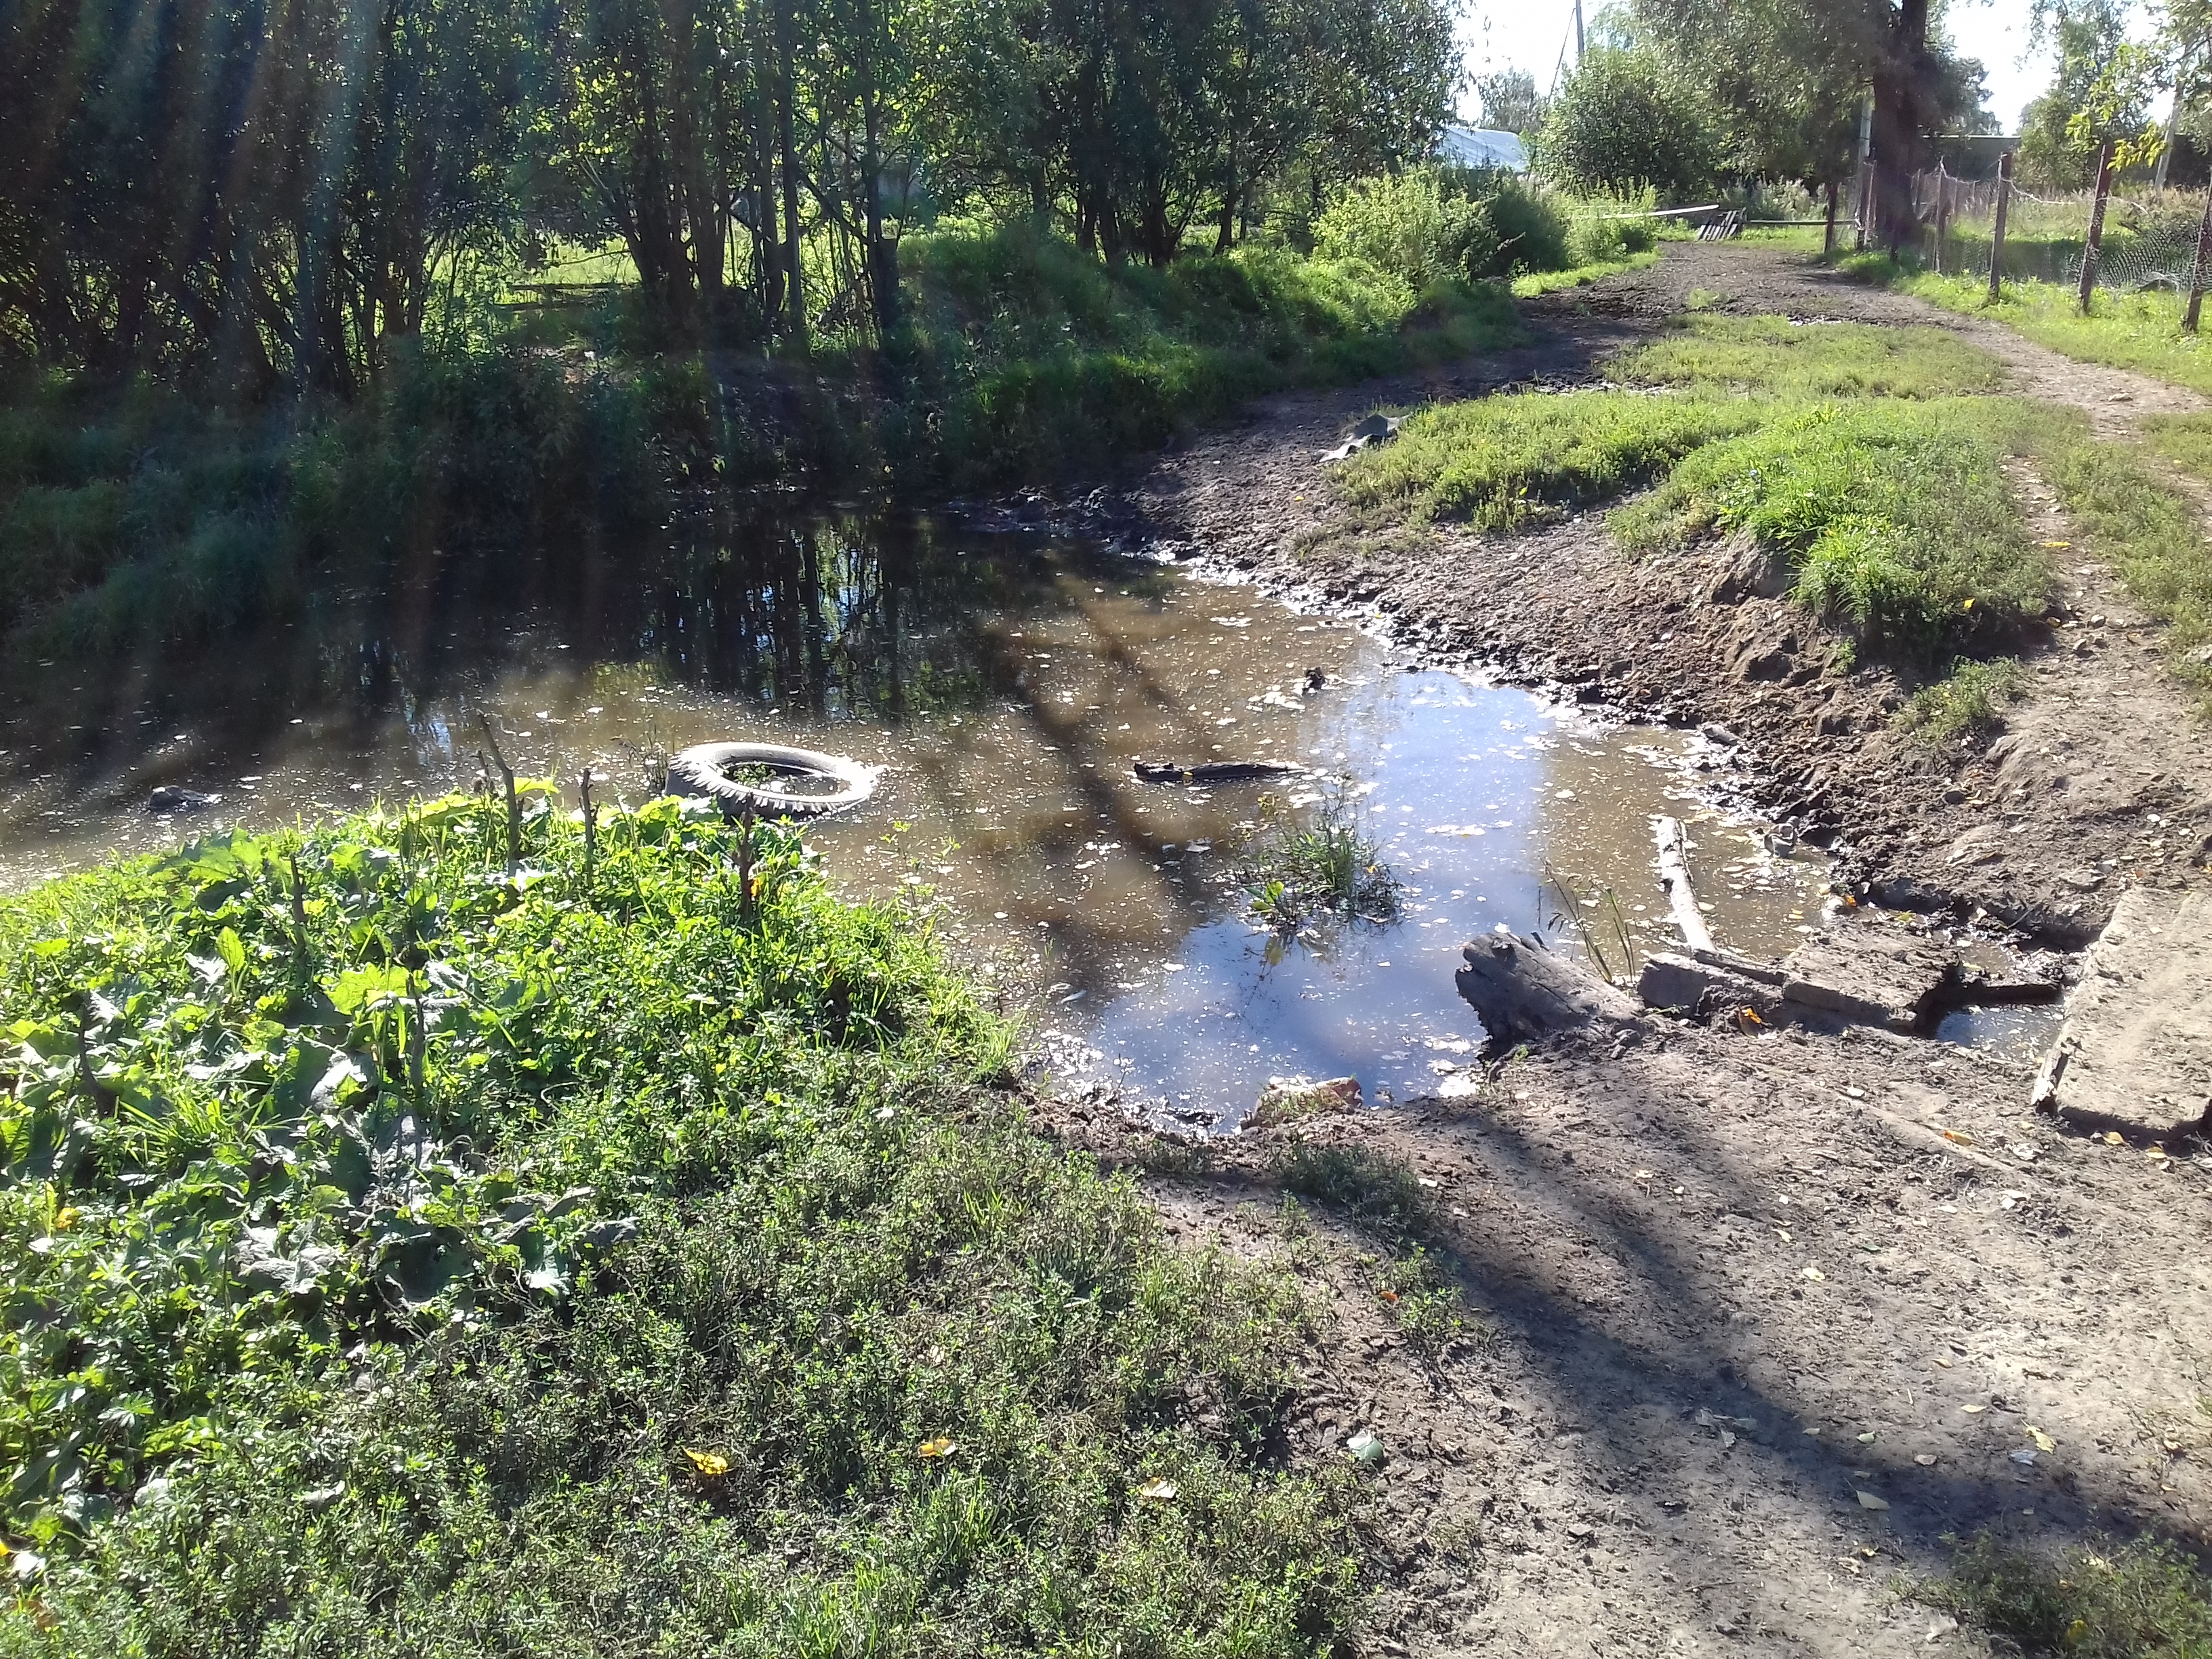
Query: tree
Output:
(2091,37)
(1789,74)
(1621,121)
(1510,102)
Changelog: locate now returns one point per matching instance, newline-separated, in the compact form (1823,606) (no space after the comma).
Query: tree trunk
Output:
(1828,246)
(1899,122)
(786,139)
(882,257)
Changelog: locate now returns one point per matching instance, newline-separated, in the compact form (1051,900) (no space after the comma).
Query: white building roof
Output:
(1482,147)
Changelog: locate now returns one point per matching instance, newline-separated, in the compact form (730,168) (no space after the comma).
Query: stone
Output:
(1873,975)
(2135,1051)
(1685,985)
(1293,1100)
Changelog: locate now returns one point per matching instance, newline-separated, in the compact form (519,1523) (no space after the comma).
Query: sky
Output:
(1530,35)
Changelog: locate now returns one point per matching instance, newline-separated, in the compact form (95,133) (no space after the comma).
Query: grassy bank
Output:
(135,512)
(1869,462)
(2139,331)
(420,1241)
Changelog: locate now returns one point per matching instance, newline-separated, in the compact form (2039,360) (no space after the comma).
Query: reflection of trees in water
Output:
(853,617)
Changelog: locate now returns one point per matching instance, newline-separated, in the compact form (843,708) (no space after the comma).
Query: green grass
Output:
(1529,284)
(2145,1600)
(1895,516)
(1775,356)
(134,513)
(634,1254)
(2139,331)
(1970,700)
(1504,462)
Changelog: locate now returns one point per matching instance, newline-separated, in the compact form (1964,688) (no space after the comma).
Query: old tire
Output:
(704,770)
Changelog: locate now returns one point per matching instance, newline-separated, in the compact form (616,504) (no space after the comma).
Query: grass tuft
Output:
(2144,1600)
(1971,699)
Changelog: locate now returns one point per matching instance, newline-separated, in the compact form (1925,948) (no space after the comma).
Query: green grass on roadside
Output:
(1776,356)
(2140,330)
(2145,1600)
(1896,518)
(1529,284)
(629,1254)
(1502,461)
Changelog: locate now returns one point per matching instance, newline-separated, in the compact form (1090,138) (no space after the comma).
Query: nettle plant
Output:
(276,1097)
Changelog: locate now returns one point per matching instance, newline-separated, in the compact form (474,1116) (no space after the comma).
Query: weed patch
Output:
(1294,871)
(1972,698)
(2145,1600)
(1502,463)
(626,1251)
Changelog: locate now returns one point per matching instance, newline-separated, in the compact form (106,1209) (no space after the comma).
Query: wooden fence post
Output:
(1942,220)
(1828,246)
(1996,236)
(2196,266)
(2096,224)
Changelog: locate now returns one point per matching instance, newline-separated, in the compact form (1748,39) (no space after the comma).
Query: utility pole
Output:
(1579,33)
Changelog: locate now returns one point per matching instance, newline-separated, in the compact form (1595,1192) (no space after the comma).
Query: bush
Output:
(1532,234)
(1411,227)
(2145,1600)
(1622,121)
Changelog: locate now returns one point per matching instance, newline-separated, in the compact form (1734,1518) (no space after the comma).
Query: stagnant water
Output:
(1008,684)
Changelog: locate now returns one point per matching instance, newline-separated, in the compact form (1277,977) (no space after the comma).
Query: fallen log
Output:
(1675,876)
(1527,993)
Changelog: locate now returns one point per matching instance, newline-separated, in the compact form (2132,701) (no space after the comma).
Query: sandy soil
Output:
(1724,1283)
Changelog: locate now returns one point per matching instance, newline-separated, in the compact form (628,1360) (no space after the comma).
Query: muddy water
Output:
(1009,684)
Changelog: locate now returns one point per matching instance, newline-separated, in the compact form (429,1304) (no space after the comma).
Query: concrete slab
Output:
(1873,974)
(2135,1051)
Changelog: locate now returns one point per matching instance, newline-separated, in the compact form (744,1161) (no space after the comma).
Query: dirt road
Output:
(1763,1317)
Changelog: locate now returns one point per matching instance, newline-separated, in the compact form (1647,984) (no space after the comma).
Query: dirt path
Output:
(1725,1283)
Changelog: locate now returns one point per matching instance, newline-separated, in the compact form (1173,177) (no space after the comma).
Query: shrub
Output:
(1532,234)
(1621,121)
(1410,226)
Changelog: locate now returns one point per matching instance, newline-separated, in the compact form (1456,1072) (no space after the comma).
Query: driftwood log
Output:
(1527,993)
(1675,876)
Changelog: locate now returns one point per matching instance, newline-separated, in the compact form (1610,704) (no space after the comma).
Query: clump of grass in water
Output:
(1612,924)
(1970,700)
(1294,871)
(2145,1600)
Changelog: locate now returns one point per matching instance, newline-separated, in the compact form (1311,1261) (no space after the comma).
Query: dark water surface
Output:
(1008,682)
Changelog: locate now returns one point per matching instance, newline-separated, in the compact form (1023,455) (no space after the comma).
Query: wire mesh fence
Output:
(2149,239)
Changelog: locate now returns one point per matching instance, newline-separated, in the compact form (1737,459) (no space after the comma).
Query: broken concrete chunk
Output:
(2136,1050)
(1872,974)
(1685,985)
(1292,1100)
